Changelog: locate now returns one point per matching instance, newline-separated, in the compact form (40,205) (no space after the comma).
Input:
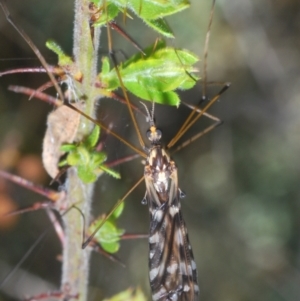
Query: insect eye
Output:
(154,135)
(149,135)
(158,134)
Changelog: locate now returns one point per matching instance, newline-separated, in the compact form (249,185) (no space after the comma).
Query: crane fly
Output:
(172,269)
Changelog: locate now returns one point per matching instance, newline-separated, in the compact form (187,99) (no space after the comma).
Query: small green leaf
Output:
(155,9)
(161,26)
(108,235)
(105,65)
(186,57)
(63,59)
(118,211)
(86,175)
(96,2)
(97,158)
(129,295)
(164,98)
(111,248)
(67,147)
(84,154)
(148,52)
(63,163)
(93,138)
(110,171)
(73,158)
(150,11)
(108,13)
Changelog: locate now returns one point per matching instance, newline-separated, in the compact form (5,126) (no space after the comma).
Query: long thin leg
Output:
(191,119)
(84,245)
(141,141)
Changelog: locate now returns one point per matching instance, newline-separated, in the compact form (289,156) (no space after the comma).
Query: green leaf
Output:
(128,295)
(154,77)
(89,163)
(86,175)
(164,98)
(148,52)
(93,138)
(96,2)
(108,235)
(161,26)
(150,11)
(107,14)
(111,247)
(84,154)
(73,158)
(110,171)
(118,211)
(63,59)
(97,158)
(67,147)
(105,65)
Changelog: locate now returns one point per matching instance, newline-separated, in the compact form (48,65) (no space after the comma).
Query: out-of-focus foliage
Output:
(241,180)
(129,295)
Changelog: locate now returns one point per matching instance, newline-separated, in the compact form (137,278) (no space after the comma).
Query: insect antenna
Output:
(150,116)
(205,52)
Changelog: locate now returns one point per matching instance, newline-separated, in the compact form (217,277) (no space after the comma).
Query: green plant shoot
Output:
(64,61)
(109,234)
(89,162)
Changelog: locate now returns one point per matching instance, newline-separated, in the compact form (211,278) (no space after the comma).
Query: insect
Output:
(172,269)
(168,282)
(173,274)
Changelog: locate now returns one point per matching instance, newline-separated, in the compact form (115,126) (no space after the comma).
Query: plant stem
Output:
(75,269)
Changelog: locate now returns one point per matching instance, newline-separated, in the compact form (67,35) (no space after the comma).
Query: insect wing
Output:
(173,274)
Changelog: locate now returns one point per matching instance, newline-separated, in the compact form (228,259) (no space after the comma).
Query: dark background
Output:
(241,180)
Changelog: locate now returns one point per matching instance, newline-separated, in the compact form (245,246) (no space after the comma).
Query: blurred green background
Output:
(241,180)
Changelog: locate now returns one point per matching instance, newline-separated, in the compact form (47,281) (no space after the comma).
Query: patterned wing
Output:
(173,274)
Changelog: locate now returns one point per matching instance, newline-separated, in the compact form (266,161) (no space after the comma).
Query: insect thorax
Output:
(159,168)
